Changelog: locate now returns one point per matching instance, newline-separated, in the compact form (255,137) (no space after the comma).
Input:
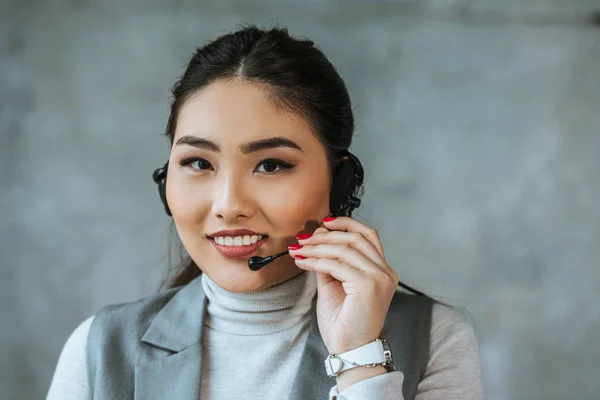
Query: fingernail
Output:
(299,257)
(303,236)
(294,246)
(328,219)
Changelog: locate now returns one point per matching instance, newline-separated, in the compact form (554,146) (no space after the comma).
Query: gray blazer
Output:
(151,349)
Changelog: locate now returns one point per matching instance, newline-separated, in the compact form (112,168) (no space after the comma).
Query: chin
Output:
(239,282)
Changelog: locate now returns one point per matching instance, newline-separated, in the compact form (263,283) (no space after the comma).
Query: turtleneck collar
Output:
(262,312)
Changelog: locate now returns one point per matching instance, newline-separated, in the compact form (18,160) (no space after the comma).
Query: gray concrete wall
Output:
(478,127)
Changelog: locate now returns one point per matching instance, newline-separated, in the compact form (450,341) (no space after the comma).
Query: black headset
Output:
(347,180)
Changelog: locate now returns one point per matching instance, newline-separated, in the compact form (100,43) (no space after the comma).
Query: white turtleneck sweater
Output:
(270,328)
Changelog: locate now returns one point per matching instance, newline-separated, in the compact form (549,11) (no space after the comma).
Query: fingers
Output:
(351,225)
(354,239)
(342,252)
(334,268)
(354,280)
(316,257)
(352,243)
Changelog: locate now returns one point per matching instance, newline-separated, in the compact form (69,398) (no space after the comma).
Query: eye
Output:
(201,163)
(271,165)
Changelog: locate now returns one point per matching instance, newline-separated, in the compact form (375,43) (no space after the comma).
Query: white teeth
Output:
(237,240)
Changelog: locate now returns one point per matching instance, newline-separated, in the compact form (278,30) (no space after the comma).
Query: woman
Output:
(260,127)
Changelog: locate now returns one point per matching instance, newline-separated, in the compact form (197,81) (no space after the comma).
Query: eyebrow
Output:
(245,148)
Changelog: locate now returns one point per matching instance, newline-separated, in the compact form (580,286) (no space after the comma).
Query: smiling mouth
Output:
(238,241)
(236,250)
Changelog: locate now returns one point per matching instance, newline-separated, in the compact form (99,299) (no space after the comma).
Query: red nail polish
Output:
(294,246)
(299,257)
(303,236)
(328,219)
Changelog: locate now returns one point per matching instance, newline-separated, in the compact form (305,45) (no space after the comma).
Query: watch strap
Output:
(370,354)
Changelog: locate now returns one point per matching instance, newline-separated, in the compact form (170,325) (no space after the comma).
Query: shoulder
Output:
(454,366)
(78,338)
(410,302)
(70,379)
(112,329)
(444,322)
(118,328)
(407,309)
(147,305)
(76,344)
(114,341)
(129,317)
(451,325)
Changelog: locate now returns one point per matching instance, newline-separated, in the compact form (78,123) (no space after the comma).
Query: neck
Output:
(261,312)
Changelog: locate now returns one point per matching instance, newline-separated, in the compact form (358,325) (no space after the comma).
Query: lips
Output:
(238,251)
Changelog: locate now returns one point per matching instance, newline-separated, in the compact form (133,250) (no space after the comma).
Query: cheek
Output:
(296,206)
(185,201)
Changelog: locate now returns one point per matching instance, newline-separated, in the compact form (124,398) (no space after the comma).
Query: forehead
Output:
(237,111)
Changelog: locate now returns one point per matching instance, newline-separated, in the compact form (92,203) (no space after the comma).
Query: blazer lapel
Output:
(173,377)
(173,363)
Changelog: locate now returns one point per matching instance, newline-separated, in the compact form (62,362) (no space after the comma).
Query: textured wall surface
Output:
(477,124)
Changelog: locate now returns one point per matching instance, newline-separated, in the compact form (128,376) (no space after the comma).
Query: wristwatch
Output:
(370,355)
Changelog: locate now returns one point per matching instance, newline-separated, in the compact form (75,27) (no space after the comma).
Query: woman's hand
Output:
(355,283)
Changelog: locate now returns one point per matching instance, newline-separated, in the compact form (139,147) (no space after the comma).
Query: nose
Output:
(231,200)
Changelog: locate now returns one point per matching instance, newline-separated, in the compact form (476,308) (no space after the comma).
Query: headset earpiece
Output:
(159,176)
(346,183)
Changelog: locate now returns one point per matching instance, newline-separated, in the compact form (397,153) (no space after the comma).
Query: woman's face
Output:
(235,178)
